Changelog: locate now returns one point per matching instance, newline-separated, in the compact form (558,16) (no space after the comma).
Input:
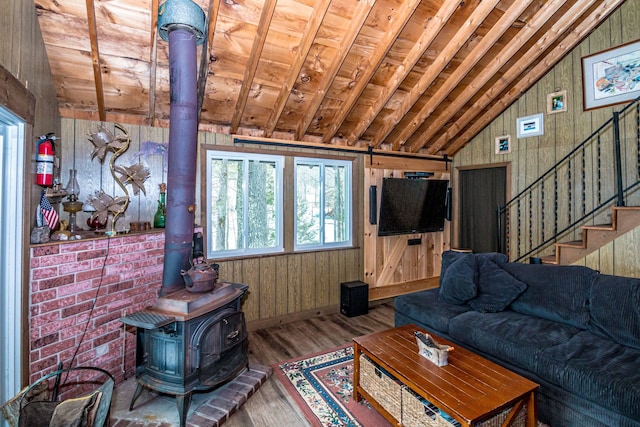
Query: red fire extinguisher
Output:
(44,160)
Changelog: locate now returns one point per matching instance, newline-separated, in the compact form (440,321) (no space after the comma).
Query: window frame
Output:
(323,163)
(245,157)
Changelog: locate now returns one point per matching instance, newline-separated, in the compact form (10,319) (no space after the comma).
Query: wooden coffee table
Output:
(470,388)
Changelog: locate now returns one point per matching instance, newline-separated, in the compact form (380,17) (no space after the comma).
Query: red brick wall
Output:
(65,279)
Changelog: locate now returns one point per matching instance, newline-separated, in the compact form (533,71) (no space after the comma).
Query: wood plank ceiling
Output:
(403,75)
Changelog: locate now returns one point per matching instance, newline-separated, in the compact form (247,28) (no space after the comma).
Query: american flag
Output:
(48,212)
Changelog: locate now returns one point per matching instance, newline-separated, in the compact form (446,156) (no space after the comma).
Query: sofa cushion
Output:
(425,308)
(615,309)
(498,258)
(596,369)
(457,284)
(512,337)
(554,292)
(496,288)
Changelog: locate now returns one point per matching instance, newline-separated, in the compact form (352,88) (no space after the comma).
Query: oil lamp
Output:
(73,206)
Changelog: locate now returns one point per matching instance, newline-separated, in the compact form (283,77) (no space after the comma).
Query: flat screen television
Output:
(409,206)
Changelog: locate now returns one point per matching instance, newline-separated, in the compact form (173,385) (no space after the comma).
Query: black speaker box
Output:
(354,298)
(373,204)
(448,204)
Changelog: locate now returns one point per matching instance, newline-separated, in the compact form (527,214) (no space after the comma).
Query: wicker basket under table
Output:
(386,390)
(417,412)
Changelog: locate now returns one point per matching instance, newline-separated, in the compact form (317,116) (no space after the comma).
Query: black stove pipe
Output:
(182,23)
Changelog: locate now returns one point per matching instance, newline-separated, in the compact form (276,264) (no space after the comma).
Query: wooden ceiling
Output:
(403,75)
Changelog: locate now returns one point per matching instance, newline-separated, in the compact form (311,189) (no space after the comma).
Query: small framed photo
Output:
(530,126)
(503,144)
(557,102)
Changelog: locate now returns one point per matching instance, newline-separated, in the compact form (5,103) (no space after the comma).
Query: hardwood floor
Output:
(271,404)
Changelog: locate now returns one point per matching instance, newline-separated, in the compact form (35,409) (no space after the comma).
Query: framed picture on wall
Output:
(557,102)
(503,144)
(530,126)
(612,76)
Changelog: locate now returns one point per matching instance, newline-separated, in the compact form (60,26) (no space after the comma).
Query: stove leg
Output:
(136,395)
(183,401)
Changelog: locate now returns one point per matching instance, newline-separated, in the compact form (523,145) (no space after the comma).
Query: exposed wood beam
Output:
(432,28)
(69,113)
(436,67)
(95,57)
(398,21)
(310,32)
(478,52)
(529,58)
(254,60)
(542,66)
(153,62)
(357,21)
(16,97)
(203,72)
(470,62)
(395,76)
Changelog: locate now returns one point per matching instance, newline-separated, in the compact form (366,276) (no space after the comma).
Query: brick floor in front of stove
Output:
(210,409)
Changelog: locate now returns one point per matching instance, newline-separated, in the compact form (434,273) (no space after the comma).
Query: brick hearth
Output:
(208,409)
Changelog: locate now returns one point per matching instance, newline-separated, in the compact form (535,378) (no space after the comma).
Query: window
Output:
(244,204)
(322,203)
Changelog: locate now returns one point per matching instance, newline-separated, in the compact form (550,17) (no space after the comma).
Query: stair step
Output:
(627,208)
(596,235)
(606,227)
(571,244)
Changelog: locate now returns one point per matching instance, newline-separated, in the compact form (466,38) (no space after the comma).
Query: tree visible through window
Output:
(244,205)
(323,203)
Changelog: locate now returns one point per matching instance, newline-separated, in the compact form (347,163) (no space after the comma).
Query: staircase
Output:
(562,203)
(623,220)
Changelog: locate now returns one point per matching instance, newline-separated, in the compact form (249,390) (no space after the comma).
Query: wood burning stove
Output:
(187,341)
(190,342)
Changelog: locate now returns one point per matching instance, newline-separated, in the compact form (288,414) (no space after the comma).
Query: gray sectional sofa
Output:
(570,329)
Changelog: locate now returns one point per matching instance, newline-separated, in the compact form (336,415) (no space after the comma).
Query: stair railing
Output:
(602,169)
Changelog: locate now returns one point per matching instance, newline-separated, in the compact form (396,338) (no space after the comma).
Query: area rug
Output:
(322,386)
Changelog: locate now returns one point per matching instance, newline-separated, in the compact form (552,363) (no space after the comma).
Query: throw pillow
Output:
(554,292)
(448,258)
(457,284)
(496,288)
(500,259)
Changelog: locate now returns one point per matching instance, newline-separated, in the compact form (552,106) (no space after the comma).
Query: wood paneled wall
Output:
(533,156)
(391,266)
(22,53)
(95,176)
(619,257)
